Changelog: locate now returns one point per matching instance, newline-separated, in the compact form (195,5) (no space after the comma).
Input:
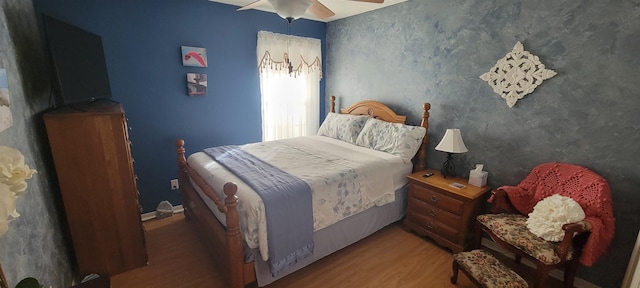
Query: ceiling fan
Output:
(294,9)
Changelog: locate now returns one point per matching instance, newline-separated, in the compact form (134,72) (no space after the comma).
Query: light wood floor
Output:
(391,257)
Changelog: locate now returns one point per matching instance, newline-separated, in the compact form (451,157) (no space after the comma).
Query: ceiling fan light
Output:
(293,9)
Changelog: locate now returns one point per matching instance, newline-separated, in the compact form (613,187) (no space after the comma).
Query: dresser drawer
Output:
(434,213)
(437,199)
(434,226)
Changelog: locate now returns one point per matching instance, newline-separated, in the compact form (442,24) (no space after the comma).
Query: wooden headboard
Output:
(381,111)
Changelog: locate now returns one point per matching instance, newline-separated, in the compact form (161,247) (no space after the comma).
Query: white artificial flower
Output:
(7,207)
(551,213)
(13,171)
(13,175)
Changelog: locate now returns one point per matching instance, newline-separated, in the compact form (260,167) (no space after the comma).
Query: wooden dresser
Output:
(92,157)
(441,212)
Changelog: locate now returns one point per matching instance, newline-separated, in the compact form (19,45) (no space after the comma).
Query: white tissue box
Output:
(478,179)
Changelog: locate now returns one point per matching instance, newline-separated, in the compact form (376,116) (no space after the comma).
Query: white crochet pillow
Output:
(550,214)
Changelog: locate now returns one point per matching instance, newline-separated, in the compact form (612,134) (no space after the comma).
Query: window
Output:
(290,96)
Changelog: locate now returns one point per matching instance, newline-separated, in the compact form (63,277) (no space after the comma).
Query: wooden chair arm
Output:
(501,203)
(571,230)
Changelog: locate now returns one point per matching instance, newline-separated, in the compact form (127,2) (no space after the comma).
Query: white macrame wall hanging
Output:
(517,74)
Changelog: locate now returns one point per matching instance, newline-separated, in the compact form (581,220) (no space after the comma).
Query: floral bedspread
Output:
(345,179)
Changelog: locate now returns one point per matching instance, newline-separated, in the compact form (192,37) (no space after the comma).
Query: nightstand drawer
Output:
(437,199)
(434,226)
(436,214)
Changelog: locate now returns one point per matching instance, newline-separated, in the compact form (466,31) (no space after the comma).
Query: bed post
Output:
(234,238)
(182,172)
(227,243)
(419,165)
(332,104)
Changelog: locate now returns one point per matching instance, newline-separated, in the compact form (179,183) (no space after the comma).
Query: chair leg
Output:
(570,273)
(455,267)
(518,258)
(542,273)
(477,243)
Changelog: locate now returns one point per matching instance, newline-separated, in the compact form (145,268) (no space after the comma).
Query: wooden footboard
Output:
(225,243)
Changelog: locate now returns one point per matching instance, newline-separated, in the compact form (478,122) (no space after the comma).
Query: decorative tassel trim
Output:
(268,62)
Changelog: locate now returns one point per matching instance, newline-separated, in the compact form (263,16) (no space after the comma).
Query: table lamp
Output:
(451,143)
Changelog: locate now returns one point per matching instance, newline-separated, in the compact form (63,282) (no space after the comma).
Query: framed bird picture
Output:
(194,56)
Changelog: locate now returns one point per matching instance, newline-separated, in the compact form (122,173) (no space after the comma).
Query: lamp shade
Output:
(452,142)
(290,9)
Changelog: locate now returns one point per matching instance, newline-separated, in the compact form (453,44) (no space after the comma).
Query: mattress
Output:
(345,179)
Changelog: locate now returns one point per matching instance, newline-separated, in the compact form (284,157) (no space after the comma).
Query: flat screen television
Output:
(79,66)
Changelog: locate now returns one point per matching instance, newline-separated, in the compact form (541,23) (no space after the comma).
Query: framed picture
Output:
(196,84)
(194,56)
(6,120)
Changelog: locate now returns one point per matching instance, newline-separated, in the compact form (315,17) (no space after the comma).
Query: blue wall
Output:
(142,42)
(434,51)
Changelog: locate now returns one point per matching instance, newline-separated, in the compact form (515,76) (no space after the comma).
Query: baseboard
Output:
(152,215)
(578,282)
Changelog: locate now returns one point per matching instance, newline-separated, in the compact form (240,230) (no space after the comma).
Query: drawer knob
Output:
(431,226)
(435,199)
(432,213)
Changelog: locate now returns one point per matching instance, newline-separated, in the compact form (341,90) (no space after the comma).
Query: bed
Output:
(217,218)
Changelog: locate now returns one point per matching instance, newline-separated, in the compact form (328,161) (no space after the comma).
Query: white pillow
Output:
(395,138)
(345,127)
(550,214)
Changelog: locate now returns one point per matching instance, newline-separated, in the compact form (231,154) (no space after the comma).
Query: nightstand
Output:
(441,212)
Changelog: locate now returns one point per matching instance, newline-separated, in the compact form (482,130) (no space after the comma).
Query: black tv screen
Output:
(80,69)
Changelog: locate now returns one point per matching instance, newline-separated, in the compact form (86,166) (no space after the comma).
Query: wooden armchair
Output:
(583,242)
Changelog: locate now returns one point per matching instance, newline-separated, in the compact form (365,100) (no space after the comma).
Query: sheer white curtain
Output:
(290,97)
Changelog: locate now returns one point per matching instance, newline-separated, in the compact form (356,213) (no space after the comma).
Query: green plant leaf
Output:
(29,282)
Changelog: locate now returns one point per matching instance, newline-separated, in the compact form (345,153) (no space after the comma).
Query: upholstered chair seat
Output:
(511,228)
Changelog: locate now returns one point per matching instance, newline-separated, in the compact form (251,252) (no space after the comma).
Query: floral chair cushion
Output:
(512,228)
(488,271)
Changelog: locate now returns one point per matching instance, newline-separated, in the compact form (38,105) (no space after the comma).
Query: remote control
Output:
(428,174)
(457,185)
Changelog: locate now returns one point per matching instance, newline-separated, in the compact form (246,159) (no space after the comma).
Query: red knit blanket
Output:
(581,184)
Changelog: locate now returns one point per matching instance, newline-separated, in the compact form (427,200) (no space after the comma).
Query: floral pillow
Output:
(395,138)
(550,214)
(344,127)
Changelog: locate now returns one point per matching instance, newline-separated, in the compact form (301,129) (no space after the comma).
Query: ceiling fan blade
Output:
(370,1)
(319,10)
(252,5)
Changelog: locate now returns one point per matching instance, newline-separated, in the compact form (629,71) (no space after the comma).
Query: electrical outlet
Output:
(174,184)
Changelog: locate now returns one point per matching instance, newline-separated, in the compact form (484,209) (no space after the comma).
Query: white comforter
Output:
(345,179)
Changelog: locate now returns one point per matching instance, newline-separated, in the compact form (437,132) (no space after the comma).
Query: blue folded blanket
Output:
(287,201)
